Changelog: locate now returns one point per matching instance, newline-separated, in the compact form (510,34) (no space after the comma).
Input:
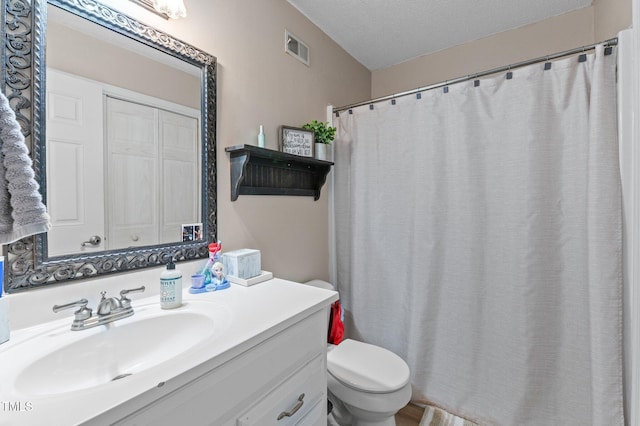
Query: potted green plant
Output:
(324,135)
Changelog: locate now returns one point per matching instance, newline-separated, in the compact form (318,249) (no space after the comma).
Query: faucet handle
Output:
(126,302)
(82,313)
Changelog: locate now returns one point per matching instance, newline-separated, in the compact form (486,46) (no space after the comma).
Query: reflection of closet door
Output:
(75,192)
(180,190)
(153,174)
(132,170)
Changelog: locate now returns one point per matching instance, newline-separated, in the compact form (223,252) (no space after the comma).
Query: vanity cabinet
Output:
(280,380)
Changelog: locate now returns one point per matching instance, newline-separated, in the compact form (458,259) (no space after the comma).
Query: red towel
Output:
(336,327)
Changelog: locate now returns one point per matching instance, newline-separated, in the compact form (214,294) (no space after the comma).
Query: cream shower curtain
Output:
(478,236)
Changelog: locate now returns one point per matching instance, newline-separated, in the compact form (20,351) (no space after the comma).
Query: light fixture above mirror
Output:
(168,9)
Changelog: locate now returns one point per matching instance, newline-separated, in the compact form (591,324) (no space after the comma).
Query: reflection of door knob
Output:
(94,241)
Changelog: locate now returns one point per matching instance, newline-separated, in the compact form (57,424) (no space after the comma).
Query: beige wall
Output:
(611,17)
(100,61)
(258,83)
(582,27)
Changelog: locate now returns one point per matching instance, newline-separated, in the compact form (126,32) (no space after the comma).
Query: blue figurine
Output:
(218,279)
(214,256)
(213,271)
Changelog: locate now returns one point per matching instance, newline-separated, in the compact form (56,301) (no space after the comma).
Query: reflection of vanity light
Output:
(172,9)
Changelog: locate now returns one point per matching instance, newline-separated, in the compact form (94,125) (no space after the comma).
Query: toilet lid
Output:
(367,367)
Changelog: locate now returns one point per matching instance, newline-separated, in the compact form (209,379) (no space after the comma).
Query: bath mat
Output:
(434,416)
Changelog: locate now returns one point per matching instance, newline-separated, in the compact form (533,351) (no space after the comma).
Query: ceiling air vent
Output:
(296,48)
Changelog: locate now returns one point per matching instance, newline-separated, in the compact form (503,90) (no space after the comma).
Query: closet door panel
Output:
(180,171)
(132,164)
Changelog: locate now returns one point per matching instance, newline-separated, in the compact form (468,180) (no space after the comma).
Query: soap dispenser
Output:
(170,287)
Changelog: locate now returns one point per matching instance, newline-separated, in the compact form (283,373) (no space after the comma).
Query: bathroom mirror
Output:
(33,261)
(106,127)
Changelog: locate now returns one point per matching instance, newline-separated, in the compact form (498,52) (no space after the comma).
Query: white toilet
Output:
(367,384)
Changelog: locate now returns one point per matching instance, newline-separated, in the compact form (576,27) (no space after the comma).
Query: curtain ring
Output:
(583,56)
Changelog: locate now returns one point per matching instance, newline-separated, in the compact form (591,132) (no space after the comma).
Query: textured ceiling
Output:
(381,33)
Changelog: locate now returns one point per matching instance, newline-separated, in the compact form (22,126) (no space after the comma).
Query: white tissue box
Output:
(243,263)
(4,320)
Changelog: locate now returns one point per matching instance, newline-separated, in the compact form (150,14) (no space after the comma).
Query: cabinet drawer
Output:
(292,400)
(317,416)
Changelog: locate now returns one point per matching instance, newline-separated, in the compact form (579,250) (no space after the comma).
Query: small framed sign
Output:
(295,140)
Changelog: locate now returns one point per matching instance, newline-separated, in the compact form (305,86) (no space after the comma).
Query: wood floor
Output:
(410,415)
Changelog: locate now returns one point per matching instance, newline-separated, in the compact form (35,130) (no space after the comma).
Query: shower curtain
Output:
(478,236)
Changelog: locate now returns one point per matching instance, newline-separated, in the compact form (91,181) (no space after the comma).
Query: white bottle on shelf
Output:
(261,137)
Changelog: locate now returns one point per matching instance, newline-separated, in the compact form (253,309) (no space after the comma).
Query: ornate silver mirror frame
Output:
(23,81)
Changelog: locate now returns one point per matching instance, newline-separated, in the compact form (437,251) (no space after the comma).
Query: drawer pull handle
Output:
(294,410)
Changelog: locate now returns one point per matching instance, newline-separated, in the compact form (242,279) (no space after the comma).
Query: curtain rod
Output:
(610,42)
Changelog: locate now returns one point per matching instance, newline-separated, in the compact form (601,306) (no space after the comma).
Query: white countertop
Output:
(251,315)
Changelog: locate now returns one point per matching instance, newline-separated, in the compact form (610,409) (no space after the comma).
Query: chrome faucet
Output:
(108,306)
(109,310)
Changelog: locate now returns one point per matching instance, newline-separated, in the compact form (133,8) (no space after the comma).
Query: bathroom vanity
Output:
(241,356)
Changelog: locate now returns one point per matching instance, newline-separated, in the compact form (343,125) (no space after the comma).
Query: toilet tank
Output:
(336,327)
(320,284)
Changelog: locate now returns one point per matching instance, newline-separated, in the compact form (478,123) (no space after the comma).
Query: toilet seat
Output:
(367,368)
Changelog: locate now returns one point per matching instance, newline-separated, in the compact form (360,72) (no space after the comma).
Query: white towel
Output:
(22,212)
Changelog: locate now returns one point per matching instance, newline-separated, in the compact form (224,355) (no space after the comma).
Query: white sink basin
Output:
(69,361)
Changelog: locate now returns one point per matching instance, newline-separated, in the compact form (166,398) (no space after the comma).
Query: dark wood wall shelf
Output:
(261,171)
